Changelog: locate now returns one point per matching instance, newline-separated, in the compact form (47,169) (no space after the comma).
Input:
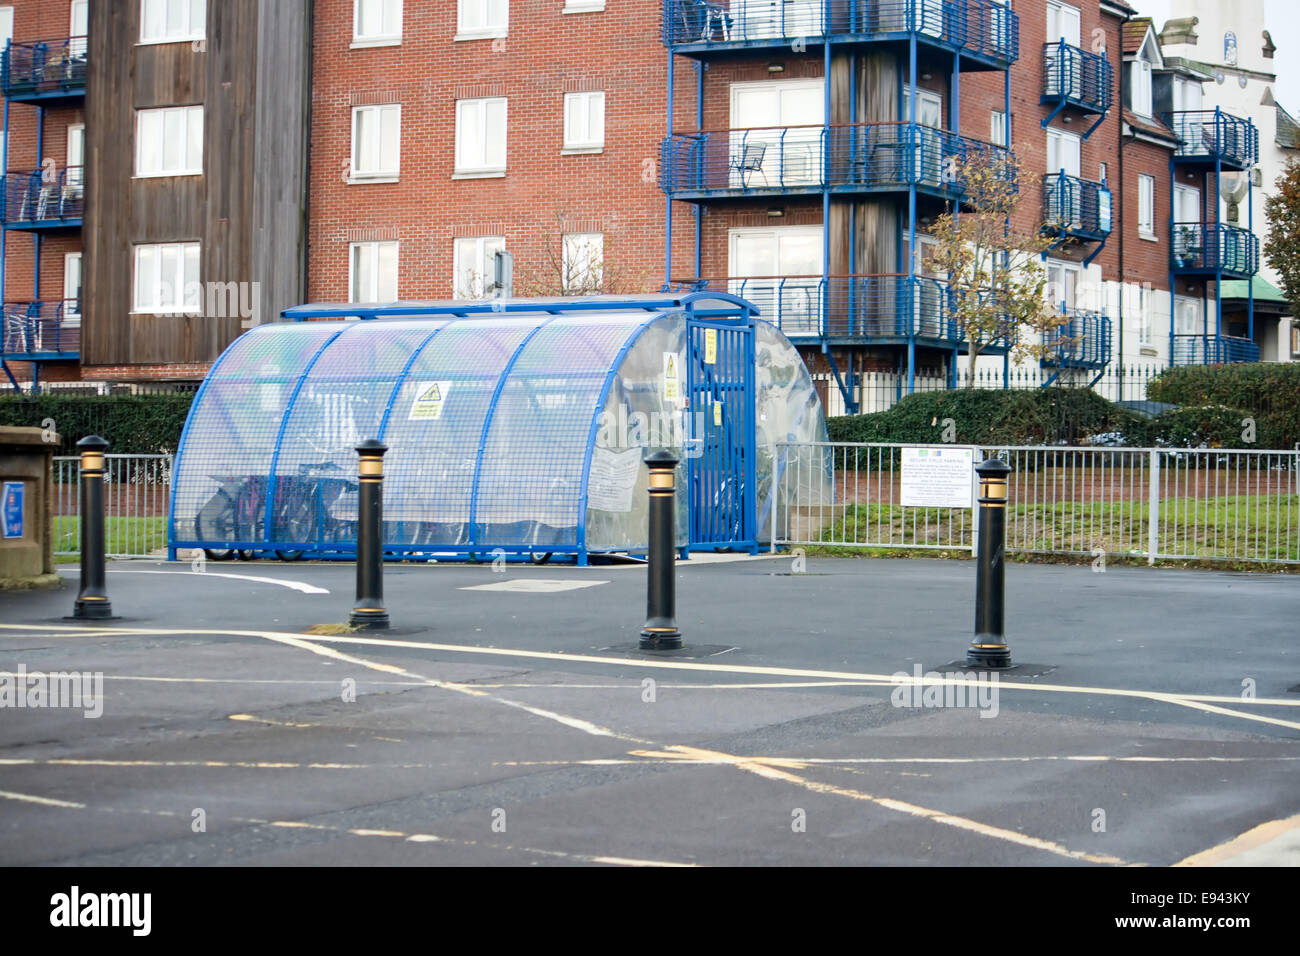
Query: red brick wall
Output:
(545,54)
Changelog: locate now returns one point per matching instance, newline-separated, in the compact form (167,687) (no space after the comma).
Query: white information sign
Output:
(613,479)
(937,477)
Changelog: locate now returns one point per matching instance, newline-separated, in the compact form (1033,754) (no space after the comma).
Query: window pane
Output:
(498,12)
(194,133)
(172,279)
(387,272)
(392,17)
(362,273)
(155,21)
(146,277)
(177,11)
(596,129)
(469,134)
(471,14)
(366,16)
(198,18)
(173,139)
(363,146)
(148,151)
(389,147)
(193,291)
(495,149)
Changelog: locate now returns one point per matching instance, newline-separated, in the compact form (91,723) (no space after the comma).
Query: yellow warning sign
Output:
(429,399)
(710,346)
(672,386)
(717,413)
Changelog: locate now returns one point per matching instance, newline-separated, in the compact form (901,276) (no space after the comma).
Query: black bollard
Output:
(370,613)
(660,632)
(989,648)
(92,600)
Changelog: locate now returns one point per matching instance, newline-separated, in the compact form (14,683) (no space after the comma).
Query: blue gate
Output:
(722,474)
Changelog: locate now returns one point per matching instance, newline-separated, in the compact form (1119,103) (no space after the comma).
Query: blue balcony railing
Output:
(982,28)
(1082,342)
(883,308)
(1076,77)
(1213,350)
(1204,248)
(1076,207)
(867,157)
(1209,135)
(44,69)
(43,197)
(42,329)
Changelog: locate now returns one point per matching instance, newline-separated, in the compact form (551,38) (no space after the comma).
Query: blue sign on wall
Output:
(1103,209)
(13,509)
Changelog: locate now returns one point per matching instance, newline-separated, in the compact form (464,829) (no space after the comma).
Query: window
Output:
(584,269)
(1062,23)
(1063,152)
(169,142)
(1141,87)
(72,287)
(1187,316)
(1141,301)
(76,157)
(376,22)
(482,18)
(584,121)
(171,21)
(1146,206)
(372,272)
(78,28)
(481,136)
(475,265)
(929,109)
(167,278)
(376,142)
(1101,173)
(999,134)
(1063,281)
(762,149)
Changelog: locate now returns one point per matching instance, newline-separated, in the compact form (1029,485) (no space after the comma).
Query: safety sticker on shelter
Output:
(429,399)
(672,377)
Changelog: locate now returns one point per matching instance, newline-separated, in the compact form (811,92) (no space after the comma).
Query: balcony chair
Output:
(750,161)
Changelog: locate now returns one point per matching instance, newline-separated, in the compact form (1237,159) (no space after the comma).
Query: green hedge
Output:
(135,424)
(1268,392)
(991,416)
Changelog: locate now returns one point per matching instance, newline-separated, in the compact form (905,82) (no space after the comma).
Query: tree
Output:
(1282,245)
(576,263)
(996,279)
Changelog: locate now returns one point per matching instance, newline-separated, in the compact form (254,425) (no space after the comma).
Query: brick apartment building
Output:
(369,150)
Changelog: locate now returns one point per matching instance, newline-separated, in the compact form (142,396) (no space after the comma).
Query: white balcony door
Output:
(72,289)
(928,160)
(76,158)
(1062,284)
(1187,99)
(764,151)
(1063,157)
(1187,318)
(1063,24)
(759,257)
(928,300)
(78,27)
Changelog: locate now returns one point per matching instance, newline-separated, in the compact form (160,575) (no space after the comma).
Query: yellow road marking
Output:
(1252,838)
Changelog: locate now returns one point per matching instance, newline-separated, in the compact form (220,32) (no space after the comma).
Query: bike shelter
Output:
(515,427)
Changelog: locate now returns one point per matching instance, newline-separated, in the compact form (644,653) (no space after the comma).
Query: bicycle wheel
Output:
(216,522)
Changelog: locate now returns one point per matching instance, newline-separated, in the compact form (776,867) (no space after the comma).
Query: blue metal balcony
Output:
(1212,135)
(1074,77)
(43,199)
(1082,342)
(1213,350)
(862,309)
(44,70)
(41,331)
(802,160)
(1076,207)
(983,30)
(1214,249)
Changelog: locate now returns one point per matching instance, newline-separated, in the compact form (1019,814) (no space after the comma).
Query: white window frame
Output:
(190,115)
(378,174)
(923,96)
(181,289)
(193,34)
(595,139)
(484,169)
(999,118)
(482,265)
(1147,197)
(1200,317)
(72,314)
(360,40)
(570,243)
(1063,10)
(1054,301)
(372,248)
(478,33)
(75,180)
(1141,70)
(1144,315)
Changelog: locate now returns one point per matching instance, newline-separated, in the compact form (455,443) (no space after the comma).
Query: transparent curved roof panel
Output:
(520,430)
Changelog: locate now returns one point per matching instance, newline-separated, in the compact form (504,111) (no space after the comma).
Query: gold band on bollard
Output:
(92,462)
(371,467)
(661,480)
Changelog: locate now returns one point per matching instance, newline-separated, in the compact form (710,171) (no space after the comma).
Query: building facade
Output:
(797,153)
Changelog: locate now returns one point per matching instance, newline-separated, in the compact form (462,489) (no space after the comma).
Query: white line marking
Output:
(302,586)
(533,586)
(43,801)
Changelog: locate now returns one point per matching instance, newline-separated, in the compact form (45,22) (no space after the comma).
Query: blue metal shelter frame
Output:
(279,385)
